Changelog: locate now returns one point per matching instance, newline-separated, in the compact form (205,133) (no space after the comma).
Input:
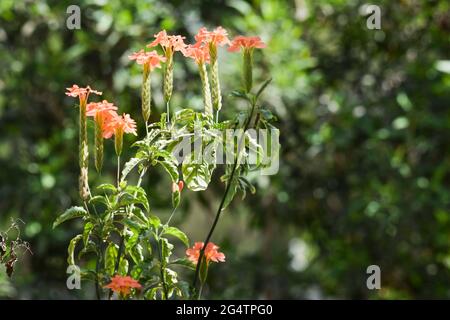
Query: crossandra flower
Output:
(213,39)
(117,126)
(171,42)
(246,43)
(103,112)
(150,59)
(123,284)
(211,253)
(198,51)
(218,37)
(103,107)
(81,93)
(120,123)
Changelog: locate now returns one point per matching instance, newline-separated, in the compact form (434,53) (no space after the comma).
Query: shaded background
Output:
(365,124)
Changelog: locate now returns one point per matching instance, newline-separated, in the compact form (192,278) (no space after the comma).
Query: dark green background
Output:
(365,124)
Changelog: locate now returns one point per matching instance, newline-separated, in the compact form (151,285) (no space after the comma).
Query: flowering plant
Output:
(134,257)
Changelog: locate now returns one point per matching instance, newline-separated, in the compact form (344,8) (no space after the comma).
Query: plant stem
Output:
(171,216)
(162,269)
(168,112)
(97,262)
(222,202)
(200,292)
(118,171)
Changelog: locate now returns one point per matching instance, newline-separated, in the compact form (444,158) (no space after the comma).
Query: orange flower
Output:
(218,36)
(81,93)
(119,125)
(150,59)
(123,285)
(174,43)
(211,253)
(103,112)
(100,107)
(199,52)
(246,43)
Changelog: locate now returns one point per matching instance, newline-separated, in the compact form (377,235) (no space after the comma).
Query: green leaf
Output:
(133,162)
(123,267)
(170,166)
(173,231)
(152,294)
(263,87)
(110,258)
(99,199)
(133,224)
(184,116)
(74,212)
(133,195)
(185,262)
(196,175)
(140,216)
(166,250)
(90,247)
(154,221)
(232,191)
(176,199)
(170,277)
(107,187)
(71,249)
(239,94)
(88,227)
(136,253)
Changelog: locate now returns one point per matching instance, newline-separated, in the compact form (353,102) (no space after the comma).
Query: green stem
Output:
(200,291)
(97,262)
(118,171)
(168,112)
(162,269)
(171,216)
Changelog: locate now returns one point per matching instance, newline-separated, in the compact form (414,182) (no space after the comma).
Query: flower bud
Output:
(146,94)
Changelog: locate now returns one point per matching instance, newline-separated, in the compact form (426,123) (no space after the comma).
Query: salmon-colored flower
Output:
(178,186)
(151,59)
(103,113)
(81,93)
(198,51)
(119,124)
(218,37)
(171,42)
(211,253)
(246,43)
(104,106)
(123,285)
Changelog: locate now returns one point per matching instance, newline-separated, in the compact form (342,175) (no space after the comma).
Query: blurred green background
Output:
(365,124)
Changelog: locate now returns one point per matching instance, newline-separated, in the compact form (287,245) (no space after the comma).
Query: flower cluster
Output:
(107,124)
(123,285)
(203,51)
